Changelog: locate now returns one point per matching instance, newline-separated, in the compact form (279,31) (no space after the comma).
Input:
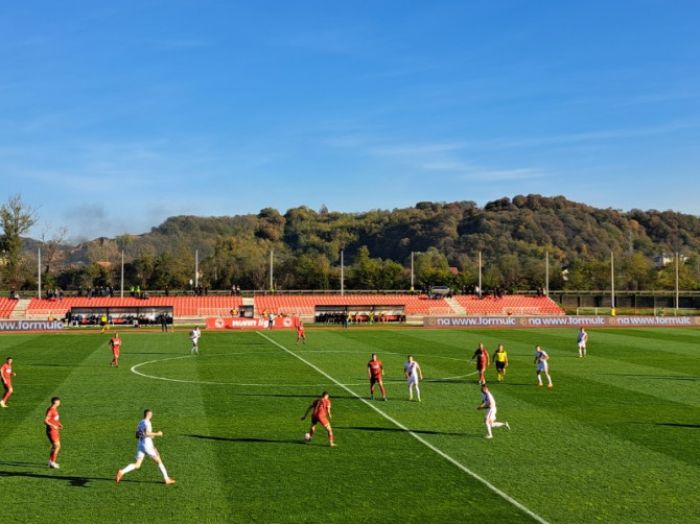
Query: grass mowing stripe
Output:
(420,439)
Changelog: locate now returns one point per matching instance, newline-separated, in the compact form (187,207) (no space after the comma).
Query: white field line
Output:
(135,369)
(420,439)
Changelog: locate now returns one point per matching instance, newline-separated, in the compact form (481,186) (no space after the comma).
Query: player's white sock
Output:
(539,380)
(498,424)
(162,469)
(130,467)
(549,379)
(489,434)
(417,392)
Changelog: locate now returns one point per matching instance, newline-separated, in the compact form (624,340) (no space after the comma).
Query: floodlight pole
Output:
(196,268)
(412,277)
(677,283)
(38,273)
(121,291)
(342,272)
(546,273)
(480,290)
(272,271)
(612,280)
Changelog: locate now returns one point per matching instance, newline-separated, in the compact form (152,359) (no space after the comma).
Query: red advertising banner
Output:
(557,322)
(251,323)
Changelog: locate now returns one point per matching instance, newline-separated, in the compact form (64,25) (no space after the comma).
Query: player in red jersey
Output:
(115,342)
(481,355)
(301,336)
(375,371)
(321,414)
(53,426)
(6,375)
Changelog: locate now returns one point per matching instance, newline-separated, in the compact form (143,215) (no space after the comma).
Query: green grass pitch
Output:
(616,439)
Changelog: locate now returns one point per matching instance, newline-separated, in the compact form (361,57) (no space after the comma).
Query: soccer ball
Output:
(307,437)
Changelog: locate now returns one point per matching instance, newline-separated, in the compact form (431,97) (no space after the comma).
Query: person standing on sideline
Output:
(163,322)
(52,420)
(413,374)
(489,403)
(145,436)
(194,337)
(541,361)
(500,357)
(6,375)
(582,340)
(321,414)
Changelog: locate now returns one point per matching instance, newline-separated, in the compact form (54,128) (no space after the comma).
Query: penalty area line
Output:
(420,439)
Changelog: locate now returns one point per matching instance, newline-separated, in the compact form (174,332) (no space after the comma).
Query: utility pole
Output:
(677,279)
(612,280)
(480,290)
(121,294)
(38,273)
(412,277)
(342,272)
(546,273)
(272,271)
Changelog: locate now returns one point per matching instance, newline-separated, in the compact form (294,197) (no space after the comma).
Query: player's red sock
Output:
(6,396)
(383,391)
(52,456)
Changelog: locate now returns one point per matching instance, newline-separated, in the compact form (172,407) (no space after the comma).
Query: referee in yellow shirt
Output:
(500,357)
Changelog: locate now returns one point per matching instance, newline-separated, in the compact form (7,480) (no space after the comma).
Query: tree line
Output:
(512,235)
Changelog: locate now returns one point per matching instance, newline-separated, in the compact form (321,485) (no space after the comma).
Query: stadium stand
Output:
(305,304)
(508,305)
(190,306)
(7,306)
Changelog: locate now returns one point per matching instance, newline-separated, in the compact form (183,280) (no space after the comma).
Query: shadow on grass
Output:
(678,425)
(399,430)
(246,440)
(292,395)
(73,480)
(655,377)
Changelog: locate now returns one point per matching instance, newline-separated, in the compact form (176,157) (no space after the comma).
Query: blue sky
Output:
(115,115)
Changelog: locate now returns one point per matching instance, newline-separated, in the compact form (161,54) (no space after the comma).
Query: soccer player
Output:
(194,337)
(321,414)
(413,374)
(145,436)
(582,339)
(541,361)
(301,336)
(500,357)
(6,375)
(375,372)
(481,355)
(52,420)
(488,402)
(115,342)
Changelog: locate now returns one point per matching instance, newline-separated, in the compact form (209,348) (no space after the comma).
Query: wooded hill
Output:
(512,234)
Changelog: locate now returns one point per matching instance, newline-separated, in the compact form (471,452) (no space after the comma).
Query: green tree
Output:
(16,218)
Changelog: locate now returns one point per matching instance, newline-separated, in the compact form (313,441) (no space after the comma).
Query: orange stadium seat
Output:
(7,306)
(509,305)
(306,304)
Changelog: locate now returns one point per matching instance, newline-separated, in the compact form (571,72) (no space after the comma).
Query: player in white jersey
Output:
(413,374)
(541,361)
(582,339)
(489,403)
(145,435)
(194,337)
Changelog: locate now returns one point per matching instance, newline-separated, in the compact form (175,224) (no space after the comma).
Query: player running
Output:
(413,374)
(301,336)
(488,402)
(500,357)
(52,420)
(145,436)
(582,340)
(481,355)
(321,414)
(6,375)
(375,372)
(194,337)
(115,342)
(541,361)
